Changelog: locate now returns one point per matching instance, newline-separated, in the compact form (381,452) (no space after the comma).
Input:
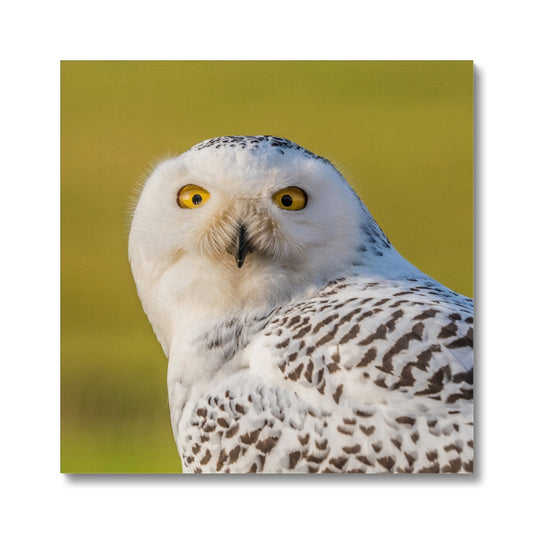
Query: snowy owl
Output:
(298,339)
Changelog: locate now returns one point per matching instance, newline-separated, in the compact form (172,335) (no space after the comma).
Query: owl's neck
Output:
(196,293)
(375,253)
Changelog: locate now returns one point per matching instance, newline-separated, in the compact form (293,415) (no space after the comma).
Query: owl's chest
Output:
(202,355)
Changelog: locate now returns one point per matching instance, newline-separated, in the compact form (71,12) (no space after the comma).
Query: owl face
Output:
(243,209)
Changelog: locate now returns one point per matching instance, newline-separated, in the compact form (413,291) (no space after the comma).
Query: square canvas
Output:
(267,266)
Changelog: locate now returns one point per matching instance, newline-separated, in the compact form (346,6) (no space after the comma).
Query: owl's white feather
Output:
(326,352)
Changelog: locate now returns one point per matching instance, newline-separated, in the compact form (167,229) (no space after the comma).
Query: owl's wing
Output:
(411,336)
(369,375)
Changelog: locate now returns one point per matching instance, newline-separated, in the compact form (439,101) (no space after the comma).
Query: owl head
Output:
(239,221)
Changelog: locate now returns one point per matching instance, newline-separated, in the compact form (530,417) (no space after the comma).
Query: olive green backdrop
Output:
(401,132)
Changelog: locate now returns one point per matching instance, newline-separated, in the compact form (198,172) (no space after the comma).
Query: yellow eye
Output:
(192,196)
(291,198)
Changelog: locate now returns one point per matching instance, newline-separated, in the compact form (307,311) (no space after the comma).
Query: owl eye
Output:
(192,196)
(291,198)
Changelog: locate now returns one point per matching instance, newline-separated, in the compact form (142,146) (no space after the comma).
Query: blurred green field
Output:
(401,132)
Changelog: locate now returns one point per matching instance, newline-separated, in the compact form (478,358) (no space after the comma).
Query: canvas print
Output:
(299,299)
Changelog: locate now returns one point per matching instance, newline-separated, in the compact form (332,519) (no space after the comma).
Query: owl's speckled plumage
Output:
(326,352)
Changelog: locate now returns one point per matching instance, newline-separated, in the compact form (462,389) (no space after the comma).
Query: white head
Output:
(261,221)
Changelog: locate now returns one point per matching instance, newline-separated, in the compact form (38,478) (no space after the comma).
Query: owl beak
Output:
(242,247)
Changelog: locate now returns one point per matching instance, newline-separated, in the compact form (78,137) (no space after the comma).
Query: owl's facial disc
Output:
(246,223)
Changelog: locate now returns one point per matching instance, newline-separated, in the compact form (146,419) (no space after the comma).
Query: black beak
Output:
(243,246)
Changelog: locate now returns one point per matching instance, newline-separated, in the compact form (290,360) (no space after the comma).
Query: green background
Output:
(401,132)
